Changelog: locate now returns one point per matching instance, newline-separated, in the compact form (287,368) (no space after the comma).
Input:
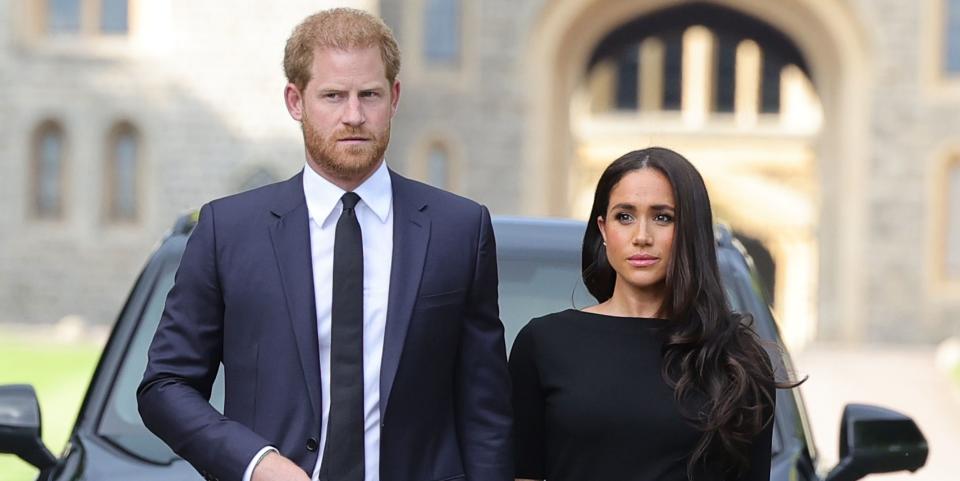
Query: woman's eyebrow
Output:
(662,207)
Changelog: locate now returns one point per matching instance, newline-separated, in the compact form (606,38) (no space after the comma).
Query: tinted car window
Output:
(750,299)
(120,422)
(745,294)
(534,287)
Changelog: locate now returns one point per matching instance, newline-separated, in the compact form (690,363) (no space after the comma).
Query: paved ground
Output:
(904,379)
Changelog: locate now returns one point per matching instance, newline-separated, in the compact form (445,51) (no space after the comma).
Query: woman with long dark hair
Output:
(660,380)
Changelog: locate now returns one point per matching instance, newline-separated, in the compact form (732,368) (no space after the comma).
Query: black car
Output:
(539,273)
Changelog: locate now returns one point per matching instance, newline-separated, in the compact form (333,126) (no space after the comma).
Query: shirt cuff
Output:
(248,473)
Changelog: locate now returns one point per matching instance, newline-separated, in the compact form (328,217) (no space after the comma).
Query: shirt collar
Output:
(323,196)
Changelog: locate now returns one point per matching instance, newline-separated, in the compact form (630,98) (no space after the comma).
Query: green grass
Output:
(60,374)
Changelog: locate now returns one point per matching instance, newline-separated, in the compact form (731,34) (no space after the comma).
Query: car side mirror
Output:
(20,426)
(877,440)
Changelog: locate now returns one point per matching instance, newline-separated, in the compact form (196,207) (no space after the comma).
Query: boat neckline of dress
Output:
(644,320)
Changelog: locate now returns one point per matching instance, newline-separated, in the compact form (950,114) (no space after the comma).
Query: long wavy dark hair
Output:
(720,373)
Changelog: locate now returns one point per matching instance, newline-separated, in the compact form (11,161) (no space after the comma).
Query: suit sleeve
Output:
(484,417)
(184,357)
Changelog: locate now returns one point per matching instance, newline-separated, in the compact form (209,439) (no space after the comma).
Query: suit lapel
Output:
(411,234)
(290,235)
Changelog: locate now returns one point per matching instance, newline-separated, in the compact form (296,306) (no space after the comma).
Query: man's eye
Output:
(369,95)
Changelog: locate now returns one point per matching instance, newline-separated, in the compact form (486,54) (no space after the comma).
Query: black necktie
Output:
(343,453)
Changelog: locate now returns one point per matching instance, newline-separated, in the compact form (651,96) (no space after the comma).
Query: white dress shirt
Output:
(375,215)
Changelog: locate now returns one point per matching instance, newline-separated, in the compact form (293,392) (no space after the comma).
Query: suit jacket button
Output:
(312,444)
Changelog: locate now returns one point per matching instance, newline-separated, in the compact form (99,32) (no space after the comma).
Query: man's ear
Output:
(293,98)
(395,96)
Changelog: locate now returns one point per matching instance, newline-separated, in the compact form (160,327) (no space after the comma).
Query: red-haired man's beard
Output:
(345,161)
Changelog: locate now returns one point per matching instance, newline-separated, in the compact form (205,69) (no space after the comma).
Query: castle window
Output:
(63,16)
(952,240)
(122,174)
(441,42)
(84,17)
(438,167)
(952,37)
(48,160)
(114,16)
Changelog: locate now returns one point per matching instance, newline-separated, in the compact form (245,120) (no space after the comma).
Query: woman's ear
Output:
(602,225)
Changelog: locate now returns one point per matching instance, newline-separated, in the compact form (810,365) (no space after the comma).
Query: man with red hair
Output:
(354,311)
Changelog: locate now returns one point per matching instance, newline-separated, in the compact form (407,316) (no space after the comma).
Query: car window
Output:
(120,422)
(746,294)
(743,296)
(533,287)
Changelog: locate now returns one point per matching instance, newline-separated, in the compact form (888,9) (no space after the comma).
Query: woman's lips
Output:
(642,260)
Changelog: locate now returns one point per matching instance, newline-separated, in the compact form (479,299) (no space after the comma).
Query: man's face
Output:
(345,111)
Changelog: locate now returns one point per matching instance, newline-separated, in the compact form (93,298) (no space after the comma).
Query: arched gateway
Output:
(767,98)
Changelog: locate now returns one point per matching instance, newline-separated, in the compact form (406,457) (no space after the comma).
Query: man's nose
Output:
(353,116)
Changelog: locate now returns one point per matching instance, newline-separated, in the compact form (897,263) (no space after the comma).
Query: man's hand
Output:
(275,467)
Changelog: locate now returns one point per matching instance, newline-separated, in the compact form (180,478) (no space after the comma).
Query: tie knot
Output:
(350,200)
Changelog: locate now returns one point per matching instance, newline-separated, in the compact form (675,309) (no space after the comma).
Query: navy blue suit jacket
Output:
(244,297)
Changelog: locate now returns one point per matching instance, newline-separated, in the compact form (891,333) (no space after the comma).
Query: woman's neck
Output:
(631,302)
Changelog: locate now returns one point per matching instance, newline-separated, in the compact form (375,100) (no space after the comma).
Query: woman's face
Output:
(638,230)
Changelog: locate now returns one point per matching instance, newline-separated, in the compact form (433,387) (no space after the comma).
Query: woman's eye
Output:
(624,217)
(663,218)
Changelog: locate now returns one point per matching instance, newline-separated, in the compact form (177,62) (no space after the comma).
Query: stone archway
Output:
(559,49)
